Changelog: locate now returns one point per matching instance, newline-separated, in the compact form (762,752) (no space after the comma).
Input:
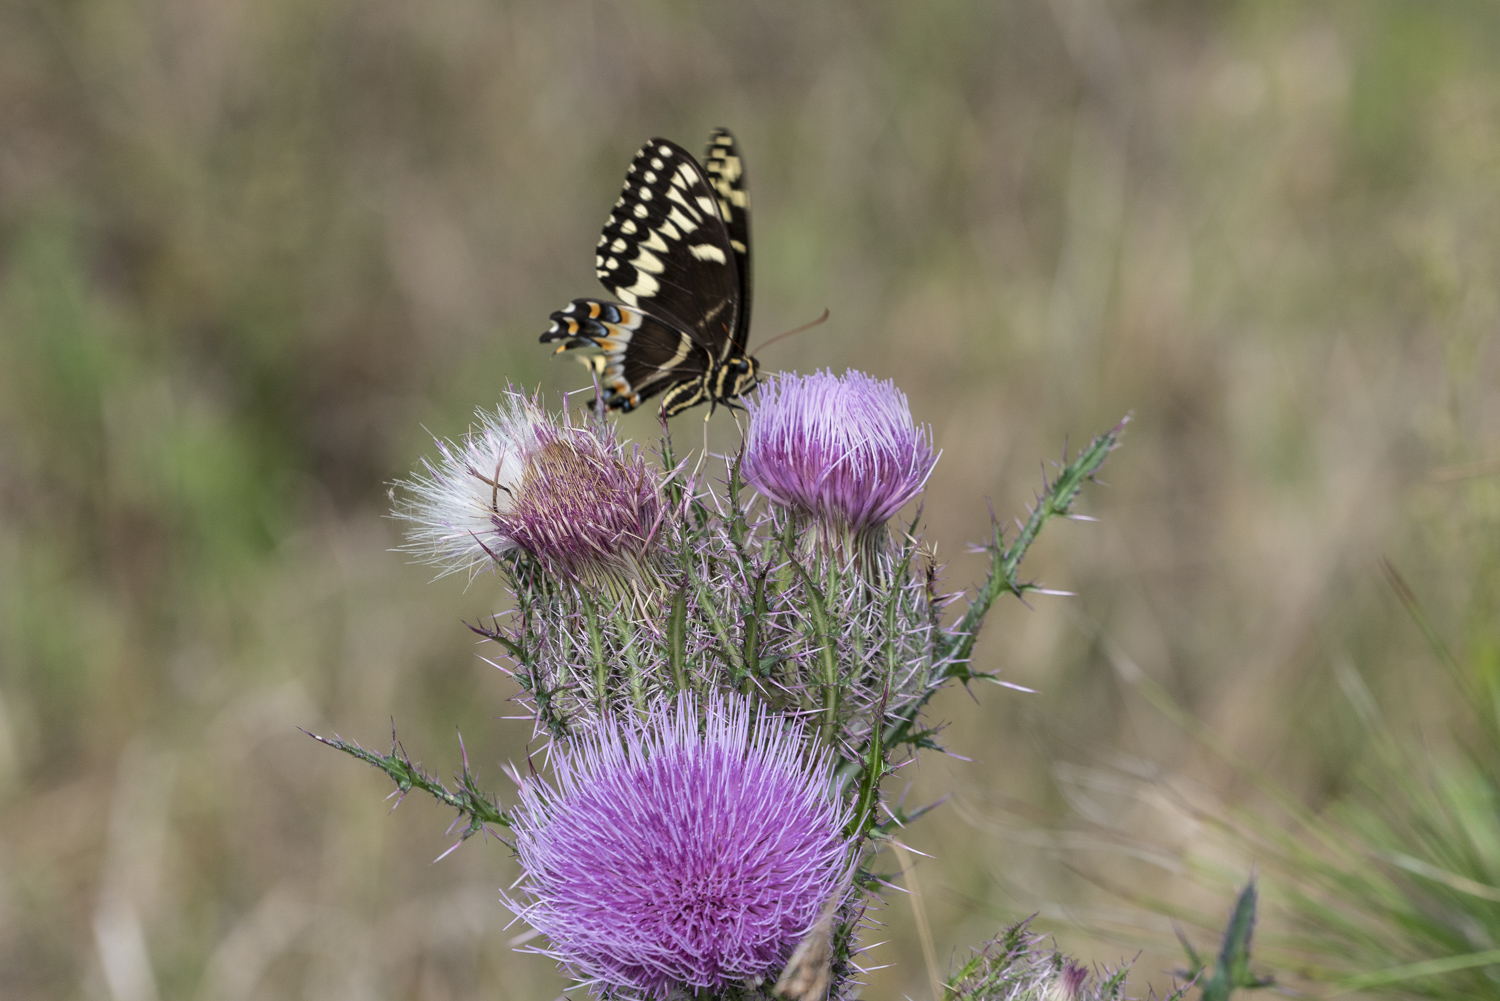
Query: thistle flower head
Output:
(841,450)
(671,854)
(523,479)
(1020,965)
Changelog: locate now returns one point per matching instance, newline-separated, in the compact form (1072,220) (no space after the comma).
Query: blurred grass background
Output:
(249,251)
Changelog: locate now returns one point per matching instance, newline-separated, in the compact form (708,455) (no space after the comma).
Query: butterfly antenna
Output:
(805,326)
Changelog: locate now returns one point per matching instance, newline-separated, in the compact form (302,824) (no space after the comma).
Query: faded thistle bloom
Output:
(569,496)
(673,853)
(840,451)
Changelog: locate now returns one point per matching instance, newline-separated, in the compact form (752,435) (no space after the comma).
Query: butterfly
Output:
(676,253)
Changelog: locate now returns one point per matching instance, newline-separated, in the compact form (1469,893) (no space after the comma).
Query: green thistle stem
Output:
(625,629)
(821,632)
(596,649)
(677,639)
(727,647)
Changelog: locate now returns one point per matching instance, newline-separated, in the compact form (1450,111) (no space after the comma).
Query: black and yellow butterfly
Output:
(676,252)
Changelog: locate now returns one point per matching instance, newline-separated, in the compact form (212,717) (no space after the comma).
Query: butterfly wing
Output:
(637,356)
(676,251)
(726,175)
(666,249)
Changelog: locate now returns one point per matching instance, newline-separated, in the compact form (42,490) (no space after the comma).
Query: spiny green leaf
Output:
(1233,968)
(481,809)
(1005,561)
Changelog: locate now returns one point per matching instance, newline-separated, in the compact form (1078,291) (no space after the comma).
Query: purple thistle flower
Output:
(662,858)
(841,450)
(570,496)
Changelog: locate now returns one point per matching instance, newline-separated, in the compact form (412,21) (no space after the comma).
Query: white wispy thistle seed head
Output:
(568,495)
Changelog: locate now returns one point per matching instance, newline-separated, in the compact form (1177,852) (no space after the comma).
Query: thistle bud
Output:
(840,452)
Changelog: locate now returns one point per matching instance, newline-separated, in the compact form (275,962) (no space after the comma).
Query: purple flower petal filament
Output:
(840,449)
(662,856)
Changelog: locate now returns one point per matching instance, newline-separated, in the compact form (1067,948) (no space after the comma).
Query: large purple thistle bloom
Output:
(842,450)
(568,495)
(663,855)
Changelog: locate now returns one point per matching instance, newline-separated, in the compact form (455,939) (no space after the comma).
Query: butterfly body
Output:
(676,252)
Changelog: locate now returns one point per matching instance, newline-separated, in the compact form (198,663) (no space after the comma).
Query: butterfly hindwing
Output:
(638,354)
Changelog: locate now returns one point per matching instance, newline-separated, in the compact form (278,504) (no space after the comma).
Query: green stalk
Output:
(827,658)
(726,643)
(751,647)
(596,649)
(626,631)
(869,782)
(677,639)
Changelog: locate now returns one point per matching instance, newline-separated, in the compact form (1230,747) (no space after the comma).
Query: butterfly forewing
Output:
(665,248)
